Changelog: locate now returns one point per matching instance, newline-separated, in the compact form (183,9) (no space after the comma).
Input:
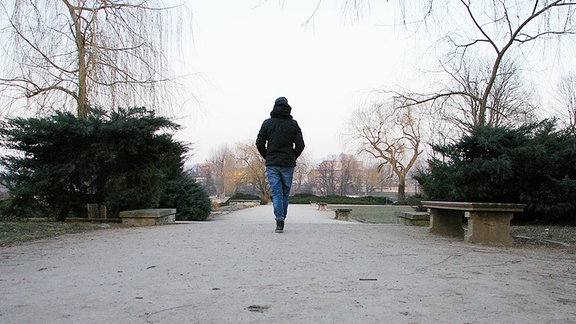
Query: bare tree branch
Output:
(101,52)
(390,134)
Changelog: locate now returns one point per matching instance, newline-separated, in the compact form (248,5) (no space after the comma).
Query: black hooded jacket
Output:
(280,140)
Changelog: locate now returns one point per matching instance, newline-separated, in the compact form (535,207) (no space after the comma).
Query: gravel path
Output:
(235,269)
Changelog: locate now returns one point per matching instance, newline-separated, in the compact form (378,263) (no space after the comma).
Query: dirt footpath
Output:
(235,269)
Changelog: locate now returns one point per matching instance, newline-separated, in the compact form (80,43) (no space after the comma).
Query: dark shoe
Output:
(279,226)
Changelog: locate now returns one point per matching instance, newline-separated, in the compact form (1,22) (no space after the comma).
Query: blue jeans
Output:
(280,180)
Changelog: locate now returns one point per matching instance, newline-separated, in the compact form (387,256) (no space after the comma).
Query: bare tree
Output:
(497,31)
(567,98)
(390,135)
(350,175)
(345,173)
(376,177)
(511,102)
(301,171)
(77,54)
(224,170)
(326,178)
(253,169)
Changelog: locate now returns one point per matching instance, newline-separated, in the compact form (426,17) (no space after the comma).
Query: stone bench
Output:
(148,217)
(488,223)
(322,206)
(342,214)
(413,218)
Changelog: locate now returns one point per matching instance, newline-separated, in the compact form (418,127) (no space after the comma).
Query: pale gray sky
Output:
(247,55)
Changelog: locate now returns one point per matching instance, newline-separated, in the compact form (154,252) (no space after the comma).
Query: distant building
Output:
(200,172)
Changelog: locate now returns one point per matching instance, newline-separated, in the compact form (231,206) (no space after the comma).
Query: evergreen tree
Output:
(188,197)
(531,164)
(61,163)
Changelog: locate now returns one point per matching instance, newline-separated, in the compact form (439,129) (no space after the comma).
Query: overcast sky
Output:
(245,55)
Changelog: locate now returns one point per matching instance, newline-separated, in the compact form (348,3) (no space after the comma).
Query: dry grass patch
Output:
(13,232)
(562,236)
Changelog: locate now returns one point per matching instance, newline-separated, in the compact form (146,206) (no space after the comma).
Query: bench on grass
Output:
(322,205)
(488,223)
(342,214)
(148,217)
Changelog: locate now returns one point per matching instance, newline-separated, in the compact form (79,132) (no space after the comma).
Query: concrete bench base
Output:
(148,217)
(413,218)
(488,223)
(492,227)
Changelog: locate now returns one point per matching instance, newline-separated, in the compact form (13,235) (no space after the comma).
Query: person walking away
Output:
(280,142)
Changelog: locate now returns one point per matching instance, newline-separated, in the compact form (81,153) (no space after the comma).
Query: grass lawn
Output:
(374,214)
(12,232)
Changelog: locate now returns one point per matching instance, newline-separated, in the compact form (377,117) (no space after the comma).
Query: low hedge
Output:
(306,198)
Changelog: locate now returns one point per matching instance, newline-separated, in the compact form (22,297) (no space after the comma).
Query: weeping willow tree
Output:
(78,54)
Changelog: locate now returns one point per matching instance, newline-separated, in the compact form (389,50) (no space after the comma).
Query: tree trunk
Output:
(80,40)
(401,188)
(92,211)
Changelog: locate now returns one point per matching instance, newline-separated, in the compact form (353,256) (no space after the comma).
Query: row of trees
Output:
(241,168)
(345,175)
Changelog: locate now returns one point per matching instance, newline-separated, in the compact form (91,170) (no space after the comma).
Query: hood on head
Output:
(281,109)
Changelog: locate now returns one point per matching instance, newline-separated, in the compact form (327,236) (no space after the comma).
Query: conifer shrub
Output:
(123,159)
(532,164)
(188,197)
